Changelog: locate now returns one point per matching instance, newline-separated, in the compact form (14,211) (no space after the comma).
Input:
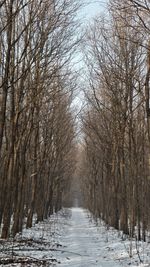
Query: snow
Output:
(72,238)
(83,245)
(88,245)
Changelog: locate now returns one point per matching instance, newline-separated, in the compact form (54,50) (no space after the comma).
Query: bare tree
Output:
(115,131)
(37,46)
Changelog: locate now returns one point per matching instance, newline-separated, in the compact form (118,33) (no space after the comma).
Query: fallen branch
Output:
(28,260)
(21,260)
(42,249)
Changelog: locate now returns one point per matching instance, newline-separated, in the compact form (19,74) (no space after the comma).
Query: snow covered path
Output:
(83,244)
(70,238)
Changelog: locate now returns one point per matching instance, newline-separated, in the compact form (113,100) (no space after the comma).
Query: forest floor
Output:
(72,238)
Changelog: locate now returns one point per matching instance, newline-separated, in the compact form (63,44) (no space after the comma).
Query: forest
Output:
(53,151)
(37,132)
(116,122)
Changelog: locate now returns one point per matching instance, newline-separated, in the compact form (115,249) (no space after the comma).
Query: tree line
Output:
(38,150)
(37,127)
(115,166)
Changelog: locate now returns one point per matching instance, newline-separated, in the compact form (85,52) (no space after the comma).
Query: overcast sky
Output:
(93,8)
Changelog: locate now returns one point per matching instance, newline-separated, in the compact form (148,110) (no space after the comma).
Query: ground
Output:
(72,238)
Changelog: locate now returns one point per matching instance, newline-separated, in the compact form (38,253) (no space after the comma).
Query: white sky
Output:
(93,8)
(89,11)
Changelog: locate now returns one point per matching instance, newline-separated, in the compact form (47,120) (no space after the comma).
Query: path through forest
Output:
(88,244)
(84,245)
(72,238)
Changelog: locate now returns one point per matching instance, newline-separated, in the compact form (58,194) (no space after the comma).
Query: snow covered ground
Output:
(90,245)
(72,238)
